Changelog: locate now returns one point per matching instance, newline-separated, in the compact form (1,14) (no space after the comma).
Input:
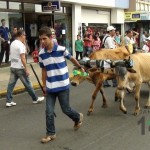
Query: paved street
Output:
(22,126)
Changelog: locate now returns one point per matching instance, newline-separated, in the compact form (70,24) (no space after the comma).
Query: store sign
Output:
(145,16)
(51,5)
(132,16)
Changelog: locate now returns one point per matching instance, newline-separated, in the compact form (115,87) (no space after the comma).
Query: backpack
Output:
(104,41)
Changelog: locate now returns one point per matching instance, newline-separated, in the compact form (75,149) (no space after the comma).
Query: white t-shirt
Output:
(128,40)
(109,42)
(145,48)
(17,48)
(143,39)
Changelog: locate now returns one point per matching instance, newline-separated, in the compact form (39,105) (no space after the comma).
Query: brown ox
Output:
(97,77)
(138,74)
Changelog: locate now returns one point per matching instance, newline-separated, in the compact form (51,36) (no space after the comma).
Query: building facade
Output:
(72,19)
(137,17)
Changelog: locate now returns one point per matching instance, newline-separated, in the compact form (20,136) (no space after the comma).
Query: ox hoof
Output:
(104,106)
(136,113)
(146,107)
(89,113)
(117,100)
(125,112)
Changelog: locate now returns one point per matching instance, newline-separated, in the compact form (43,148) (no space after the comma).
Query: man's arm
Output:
(75,62)
(23,60)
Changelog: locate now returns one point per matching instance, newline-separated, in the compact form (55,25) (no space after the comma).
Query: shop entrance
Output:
(33,22)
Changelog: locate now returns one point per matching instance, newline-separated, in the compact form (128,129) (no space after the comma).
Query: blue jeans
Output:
(87,51)
(63,97)
(16,74)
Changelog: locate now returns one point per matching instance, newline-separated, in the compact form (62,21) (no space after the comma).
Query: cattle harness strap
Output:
(107,64)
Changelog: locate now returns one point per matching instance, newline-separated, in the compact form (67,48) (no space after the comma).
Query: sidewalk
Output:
(5,74)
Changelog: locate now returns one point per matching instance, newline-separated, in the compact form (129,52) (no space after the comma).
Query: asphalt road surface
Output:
(23,126)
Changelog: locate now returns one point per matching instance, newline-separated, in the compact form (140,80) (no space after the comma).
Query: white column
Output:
(122,30)
(76,19)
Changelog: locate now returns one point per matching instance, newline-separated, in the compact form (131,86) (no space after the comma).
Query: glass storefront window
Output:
(15,20)
(63,29)
(3,5)
(98,27)
(28,7)
(15,5)
(12,19)
(38,8)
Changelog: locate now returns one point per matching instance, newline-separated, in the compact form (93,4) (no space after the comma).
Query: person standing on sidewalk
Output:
(5,47)
(79,47)
(19,70)
(55,79)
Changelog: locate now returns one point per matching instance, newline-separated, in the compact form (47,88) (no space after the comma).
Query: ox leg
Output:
(116,95)
(104,105)
(121,94)
(137,97)
(148,101)
(91,108)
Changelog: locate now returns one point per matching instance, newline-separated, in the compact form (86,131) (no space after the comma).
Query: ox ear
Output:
(131,70)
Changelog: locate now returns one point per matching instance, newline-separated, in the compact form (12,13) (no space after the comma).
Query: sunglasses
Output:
(76,72)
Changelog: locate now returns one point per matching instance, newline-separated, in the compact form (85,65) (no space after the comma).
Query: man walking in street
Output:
(19,70)
(5,47)
(55,79)
(110,43)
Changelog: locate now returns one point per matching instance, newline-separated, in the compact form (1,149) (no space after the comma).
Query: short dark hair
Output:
(2,20)
(129,31)
(46,31)
(19,33)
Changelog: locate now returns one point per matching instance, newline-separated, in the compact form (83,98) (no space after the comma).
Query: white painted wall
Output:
(124,4)
(97,3)
(76,19)
(117,16)
(94,16)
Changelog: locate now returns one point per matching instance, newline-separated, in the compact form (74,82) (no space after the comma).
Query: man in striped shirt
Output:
(55,80)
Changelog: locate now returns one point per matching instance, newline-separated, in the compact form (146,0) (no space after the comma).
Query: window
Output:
(3,5)
(14,5)
(142,6)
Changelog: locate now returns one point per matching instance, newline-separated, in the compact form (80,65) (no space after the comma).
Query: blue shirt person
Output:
(5,47)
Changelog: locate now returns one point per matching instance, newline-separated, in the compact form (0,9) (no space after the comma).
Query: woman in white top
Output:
(146,47)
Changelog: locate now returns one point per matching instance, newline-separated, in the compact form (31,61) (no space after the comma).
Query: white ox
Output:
(140,73)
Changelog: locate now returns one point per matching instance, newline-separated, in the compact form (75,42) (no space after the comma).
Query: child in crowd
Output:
(79,47)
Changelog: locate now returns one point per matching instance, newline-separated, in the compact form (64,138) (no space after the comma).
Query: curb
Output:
(20,89)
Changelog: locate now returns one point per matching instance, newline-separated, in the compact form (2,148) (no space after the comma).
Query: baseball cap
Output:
(148,39)
(109,28)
